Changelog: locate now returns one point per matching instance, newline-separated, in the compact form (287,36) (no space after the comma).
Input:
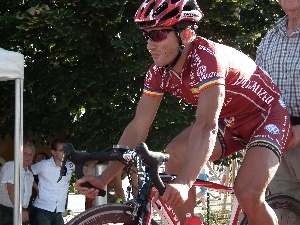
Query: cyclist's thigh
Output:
(257,169)
(270,136)
(177,149)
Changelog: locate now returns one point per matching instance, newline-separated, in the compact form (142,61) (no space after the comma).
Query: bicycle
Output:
(139,210)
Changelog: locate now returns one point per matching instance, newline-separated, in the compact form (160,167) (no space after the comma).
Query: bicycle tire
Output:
(286,208)
(104,214)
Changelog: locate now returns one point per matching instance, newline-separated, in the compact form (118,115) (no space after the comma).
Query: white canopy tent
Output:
(12,68)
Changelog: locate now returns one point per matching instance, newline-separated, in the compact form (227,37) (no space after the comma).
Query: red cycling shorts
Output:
(270,129)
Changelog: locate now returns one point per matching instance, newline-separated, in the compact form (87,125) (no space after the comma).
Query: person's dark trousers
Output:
(6,215)
(44,217)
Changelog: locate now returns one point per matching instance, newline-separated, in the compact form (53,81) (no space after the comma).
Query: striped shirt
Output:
(279,55)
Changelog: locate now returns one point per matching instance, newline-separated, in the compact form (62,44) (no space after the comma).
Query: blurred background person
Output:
(52,195)
(7,187)
(279,55)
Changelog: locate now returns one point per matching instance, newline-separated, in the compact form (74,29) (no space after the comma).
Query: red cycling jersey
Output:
(252,108)
(248,88)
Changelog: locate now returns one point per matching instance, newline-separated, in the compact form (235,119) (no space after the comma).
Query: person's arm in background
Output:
(11,192)
(35,186)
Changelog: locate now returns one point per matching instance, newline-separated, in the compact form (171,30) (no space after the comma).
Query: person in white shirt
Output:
(7,187)
(52,195)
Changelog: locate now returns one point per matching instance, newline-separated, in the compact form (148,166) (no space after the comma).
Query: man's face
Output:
(59,153)
(164,51)
(290,6)
(27,156)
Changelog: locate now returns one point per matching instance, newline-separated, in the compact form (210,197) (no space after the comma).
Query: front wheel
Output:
(105,214)
(287,209)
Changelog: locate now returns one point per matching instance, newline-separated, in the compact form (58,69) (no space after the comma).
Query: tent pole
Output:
(18,151)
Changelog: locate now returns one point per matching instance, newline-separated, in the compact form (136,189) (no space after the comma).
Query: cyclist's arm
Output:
(203,135)
(135,132)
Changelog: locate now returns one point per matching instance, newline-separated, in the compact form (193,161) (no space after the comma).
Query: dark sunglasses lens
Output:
(155,35)
(159,35)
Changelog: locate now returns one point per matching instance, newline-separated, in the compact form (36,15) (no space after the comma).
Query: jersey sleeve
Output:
(152,82)
(210,66)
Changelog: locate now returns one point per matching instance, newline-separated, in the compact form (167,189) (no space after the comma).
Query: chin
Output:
(160,64)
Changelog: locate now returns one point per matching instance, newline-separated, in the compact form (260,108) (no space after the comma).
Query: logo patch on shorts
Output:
(272,129)
(281,102)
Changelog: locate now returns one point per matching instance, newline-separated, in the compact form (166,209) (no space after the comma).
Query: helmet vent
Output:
(174,1)
(160,9)
(171,14)
(149,9)
(189,6)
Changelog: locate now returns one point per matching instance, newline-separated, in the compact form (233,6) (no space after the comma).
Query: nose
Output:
(150,45)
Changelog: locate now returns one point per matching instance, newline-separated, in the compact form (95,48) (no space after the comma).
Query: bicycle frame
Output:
(139,210)
(167,214)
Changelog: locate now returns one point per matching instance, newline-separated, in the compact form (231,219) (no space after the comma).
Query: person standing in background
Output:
(39,157)
(52,195)
(279,54)
(7,187)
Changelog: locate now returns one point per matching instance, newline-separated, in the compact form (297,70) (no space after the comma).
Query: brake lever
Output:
(68,149)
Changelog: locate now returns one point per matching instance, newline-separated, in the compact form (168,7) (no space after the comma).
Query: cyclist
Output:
(233,96)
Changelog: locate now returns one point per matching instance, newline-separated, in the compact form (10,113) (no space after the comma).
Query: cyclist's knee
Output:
(248,197)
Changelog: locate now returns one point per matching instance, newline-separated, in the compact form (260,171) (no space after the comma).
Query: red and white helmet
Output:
(165,13)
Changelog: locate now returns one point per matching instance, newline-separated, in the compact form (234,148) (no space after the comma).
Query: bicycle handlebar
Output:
(152,159)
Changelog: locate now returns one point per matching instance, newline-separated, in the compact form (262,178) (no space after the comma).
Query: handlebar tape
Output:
(101,192)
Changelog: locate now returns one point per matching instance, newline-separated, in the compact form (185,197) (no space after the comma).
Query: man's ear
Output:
(53,152)
(186,35)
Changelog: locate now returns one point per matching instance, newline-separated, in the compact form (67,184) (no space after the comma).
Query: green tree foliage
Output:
(85,62)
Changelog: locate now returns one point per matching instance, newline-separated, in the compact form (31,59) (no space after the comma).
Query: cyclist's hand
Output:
(175,194)
(295,140)
(89,192)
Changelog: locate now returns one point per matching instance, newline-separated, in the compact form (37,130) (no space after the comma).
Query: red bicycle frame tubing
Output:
(163,207)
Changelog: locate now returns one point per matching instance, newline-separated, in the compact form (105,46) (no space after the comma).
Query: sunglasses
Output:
(157,35)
